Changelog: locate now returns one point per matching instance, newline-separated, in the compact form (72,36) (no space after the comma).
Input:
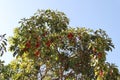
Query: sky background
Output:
(94,14)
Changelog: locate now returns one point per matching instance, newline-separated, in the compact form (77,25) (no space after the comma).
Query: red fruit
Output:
(99,55)
(37,53)
(48,43)
(24,49)
(28,45)
(44,34)
(37,44)
(101,73)
(70,36)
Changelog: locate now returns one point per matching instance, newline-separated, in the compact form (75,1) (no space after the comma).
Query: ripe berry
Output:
(28,45)
(37,53)
(99,55)
(48,43)
(70,35)
(37,44)
(101,73)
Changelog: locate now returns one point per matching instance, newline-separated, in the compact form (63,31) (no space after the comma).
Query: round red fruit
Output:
(37,53)
(28,45)
(70,36)
(48,43)
(37,44)
(99,55)
(101,73)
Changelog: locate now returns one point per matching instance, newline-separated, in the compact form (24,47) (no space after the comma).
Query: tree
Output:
(3,44)
(59,51)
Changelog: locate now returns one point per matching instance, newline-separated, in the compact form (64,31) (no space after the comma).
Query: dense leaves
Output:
(3,44)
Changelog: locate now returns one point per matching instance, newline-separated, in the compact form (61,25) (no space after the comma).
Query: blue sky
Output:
(94,14)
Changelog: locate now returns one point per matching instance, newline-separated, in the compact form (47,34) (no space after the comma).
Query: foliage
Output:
(3,44)
(23,69)
(44,45)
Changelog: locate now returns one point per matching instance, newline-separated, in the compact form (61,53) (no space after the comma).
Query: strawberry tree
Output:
(59,51)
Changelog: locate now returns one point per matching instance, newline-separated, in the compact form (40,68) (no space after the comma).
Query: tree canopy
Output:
(46,47)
